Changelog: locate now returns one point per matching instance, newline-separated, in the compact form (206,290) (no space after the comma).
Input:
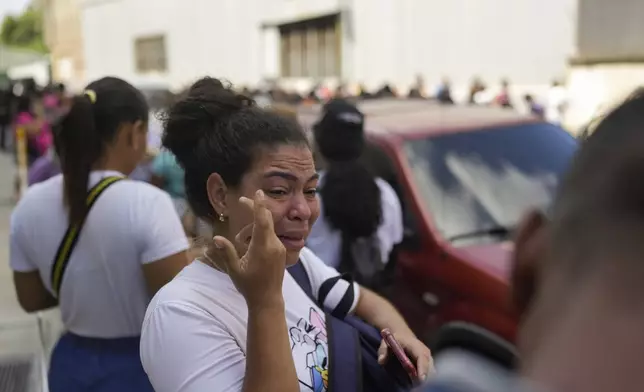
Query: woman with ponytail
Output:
(361,217)
(95,243)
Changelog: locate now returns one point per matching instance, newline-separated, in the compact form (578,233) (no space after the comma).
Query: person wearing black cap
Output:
(361,216)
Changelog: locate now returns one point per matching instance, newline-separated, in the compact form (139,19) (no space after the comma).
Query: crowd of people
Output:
(31,110)
(36,110)
(551,107)
(281,291)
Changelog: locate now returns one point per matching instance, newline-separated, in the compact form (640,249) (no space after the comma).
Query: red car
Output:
(465,175)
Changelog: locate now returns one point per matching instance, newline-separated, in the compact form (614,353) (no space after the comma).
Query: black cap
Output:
(339,135)
(340,114)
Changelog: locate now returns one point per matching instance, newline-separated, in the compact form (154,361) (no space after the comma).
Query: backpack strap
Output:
(68,243)
(353,350)
(360,258)
(345,356)
(298,272)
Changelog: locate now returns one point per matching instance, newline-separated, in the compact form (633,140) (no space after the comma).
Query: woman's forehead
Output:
(287,159)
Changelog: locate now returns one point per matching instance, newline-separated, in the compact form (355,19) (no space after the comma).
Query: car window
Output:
(474,182)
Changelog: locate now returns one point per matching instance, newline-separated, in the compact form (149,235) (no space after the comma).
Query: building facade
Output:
(609,61)
(22,64)
(64,38)
(303,42)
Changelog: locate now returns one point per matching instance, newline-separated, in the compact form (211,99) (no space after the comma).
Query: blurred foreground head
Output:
(579,272)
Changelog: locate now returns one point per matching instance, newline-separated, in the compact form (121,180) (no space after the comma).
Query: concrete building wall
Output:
(609,61)
(202,37)
(38,70)
(610,31)
(528,42)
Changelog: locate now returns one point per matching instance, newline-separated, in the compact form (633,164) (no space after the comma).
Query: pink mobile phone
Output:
(393,344)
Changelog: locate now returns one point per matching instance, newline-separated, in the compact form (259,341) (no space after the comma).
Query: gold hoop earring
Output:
(222,218)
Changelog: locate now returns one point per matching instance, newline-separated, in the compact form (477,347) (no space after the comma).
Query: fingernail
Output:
(423,377)
(381,358)
(260,194)
(217,244)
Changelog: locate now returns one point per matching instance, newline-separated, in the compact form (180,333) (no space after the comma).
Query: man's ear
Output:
(529,248)
(126,134)
(140,126)
(217,191)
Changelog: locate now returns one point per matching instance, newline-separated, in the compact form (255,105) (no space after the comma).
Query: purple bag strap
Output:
(345,357)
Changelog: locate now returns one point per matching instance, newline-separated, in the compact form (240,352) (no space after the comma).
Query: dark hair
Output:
(351,199)
(601,199)
(213,129)
(349,192)
(90,125)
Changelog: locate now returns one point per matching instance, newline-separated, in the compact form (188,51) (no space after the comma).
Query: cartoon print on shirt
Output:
(310,352)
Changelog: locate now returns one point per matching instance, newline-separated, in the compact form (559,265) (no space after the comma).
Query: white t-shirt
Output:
(103,293)
(194,333)
(326,242)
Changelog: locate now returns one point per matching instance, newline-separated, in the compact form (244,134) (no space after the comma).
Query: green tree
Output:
(8,28)
(24,31)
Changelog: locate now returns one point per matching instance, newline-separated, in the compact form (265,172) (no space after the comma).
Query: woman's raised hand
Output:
(259,272)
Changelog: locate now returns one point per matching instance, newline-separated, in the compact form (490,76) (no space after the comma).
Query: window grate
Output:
(311,48)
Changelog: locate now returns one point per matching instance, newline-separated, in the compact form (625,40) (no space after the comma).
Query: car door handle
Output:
(430,299)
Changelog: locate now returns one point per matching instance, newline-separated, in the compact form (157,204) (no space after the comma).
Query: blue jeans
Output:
(80,364)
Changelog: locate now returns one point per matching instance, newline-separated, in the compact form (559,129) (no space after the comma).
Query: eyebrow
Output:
(288,176)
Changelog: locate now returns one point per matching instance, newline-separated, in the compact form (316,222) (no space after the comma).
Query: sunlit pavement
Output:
(19,332)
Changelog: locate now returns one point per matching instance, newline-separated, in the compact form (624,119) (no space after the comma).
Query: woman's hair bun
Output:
(206,84)
(207,102)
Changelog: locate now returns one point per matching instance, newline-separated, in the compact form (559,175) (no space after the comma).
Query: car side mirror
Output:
(476,340)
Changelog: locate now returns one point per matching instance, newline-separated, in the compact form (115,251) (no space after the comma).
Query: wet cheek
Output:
(277,209)
(314,206)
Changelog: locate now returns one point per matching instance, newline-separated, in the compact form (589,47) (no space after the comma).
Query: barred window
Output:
(311,48)
(150,54)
